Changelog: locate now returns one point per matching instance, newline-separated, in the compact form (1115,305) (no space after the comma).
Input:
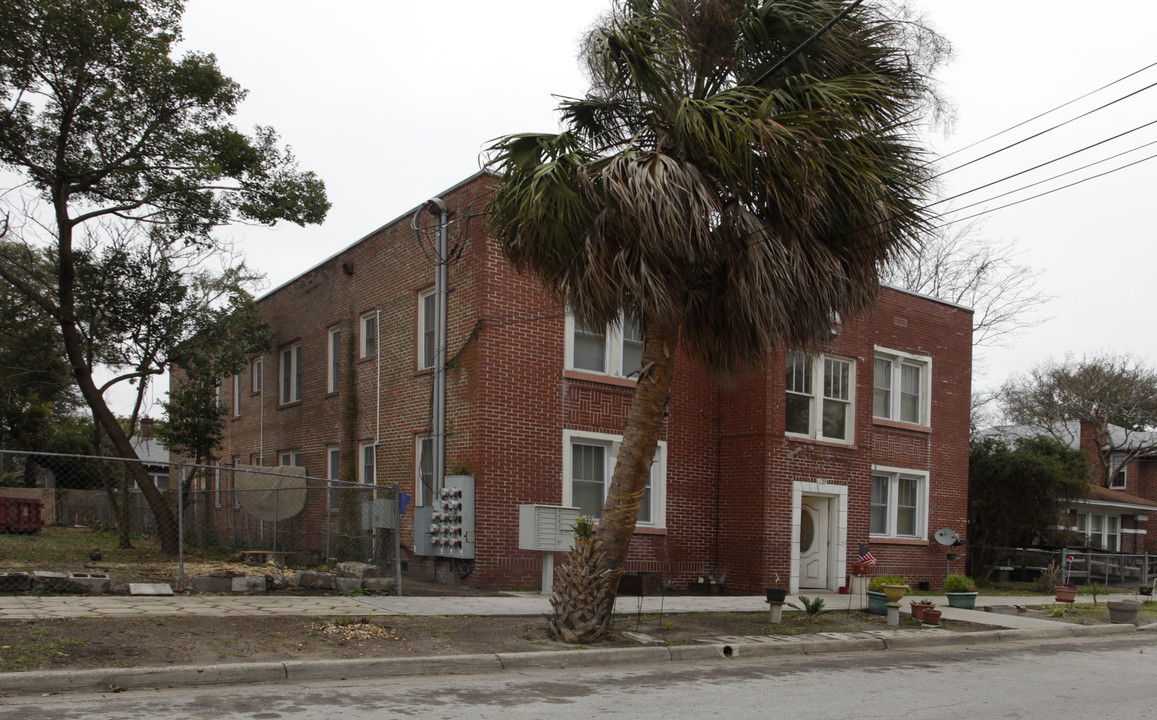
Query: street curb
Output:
(38,681)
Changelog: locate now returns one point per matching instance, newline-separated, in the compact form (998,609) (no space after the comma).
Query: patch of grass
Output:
(36,654)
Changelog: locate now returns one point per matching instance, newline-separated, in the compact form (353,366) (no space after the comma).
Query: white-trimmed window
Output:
(901,387)
(1117,469)
(819,397)
(587,463)
(333,361)
(237,395)
(258,376)
(427,329)
(332,468)
(291,374)
(424,470)
(368,463)
(899,505)
(290,457)
(614,350)
(369,343)
(1101,531)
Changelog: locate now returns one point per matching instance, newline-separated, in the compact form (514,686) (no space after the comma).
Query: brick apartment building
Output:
(773,479)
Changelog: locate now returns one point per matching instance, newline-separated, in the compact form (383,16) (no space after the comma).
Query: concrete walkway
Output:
(38,607)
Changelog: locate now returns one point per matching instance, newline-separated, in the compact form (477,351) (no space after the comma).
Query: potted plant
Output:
(894,591)
(1146,590)
(919,607)
(961,591)
(776,594)
(1066,593)
(931,616)
(1123,612)
(877,600)
(860,569)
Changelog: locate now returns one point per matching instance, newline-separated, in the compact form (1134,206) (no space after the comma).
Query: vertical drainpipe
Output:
(436,206)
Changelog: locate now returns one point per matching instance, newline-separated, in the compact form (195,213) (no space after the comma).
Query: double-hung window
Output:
(290,457)
(333,363)
(819,397)
(900,387)
(1117,471)
(588,461)
(291,374)
(1100,531)
(369,344)
(369,463)
(899,503)
(427,329)
(258,375)
(237,395)
(616,349)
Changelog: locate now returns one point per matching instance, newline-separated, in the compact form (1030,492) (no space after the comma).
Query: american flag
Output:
(866,556)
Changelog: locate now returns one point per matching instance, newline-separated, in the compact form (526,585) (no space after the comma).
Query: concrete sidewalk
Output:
(39,607)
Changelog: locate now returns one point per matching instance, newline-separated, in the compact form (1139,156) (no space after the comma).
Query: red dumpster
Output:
(21,515)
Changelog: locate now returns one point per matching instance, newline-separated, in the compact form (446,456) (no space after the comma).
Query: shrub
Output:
(877,583)
(959,583)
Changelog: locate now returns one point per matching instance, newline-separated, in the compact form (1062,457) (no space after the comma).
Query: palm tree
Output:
(730,212)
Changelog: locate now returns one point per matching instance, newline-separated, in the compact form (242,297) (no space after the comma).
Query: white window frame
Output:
(332,470)
(421,443)
(290,383)
(816,366)
(237,395)
(258,376)
(617,347)
(290,457)
(427,351)
(333,360)
(613,444)
(894,475)
(1103,535)
(369,335)
(1117,470)
(893,405)
(367,463)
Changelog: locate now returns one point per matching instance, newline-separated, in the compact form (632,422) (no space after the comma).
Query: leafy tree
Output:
(728,194)
(1017,488)
(1115,395)
(105,124)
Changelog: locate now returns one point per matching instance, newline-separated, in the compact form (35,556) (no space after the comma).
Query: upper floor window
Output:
(291,374)
(333,364)
(588,461)
(369,344)
(819,397)
(369,463)
(900,387)
(427,329)
(237,395)
(614,350)
(1117,481)
(899,503)
(258,375)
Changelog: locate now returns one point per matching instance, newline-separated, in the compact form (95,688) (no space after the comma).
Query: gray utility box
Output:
(546,528)
(445,528)
(380,514)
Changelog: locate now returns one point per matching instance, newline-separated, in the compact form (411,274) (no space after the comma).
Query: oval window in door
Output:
(807,531)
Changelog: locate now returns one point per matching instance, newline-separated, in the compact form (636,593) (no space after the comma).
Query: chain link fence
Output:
(276,514)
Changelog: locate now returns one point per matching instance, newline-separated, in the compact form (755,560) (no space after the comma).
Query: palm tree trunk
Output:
(640,440)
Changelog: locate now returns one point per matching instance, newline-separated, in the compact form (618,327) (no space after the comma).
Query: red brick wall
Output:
(730,467)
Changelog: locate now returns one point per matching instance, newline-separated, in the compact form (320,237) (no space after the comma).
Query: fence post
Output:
(276,496)
(180,528)
(397,539)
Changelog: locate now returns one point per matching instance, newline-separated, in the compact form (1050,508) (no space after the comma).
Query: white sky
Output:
(390,103)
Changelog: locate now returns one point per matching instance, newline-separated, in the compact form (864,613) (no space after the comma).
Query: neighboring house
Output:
(1113,518)
(153,455)
(772,479)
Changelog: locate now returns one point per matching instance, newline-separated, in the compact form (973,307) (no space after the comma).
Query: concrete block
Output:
(378,584)
(358,570)
(15,581)
(313,579)
(211,584)
(92,582)
(248,583)
(54,582)
(345,584)
(150,589)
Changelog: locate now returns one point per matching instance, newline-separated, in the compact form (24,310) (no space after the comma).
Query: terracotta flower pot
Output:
(931,616)
(1066,593)
(918,609)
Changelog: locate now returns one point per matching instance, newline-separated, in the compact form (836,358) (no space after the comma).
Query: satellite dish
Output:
(946,536)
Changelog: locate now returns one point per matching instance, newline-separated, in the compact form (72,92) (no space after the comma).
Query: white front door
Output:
(813,543)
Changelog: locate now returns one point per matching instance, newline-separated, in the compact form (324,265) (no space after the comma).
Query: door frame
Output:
(837,497)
